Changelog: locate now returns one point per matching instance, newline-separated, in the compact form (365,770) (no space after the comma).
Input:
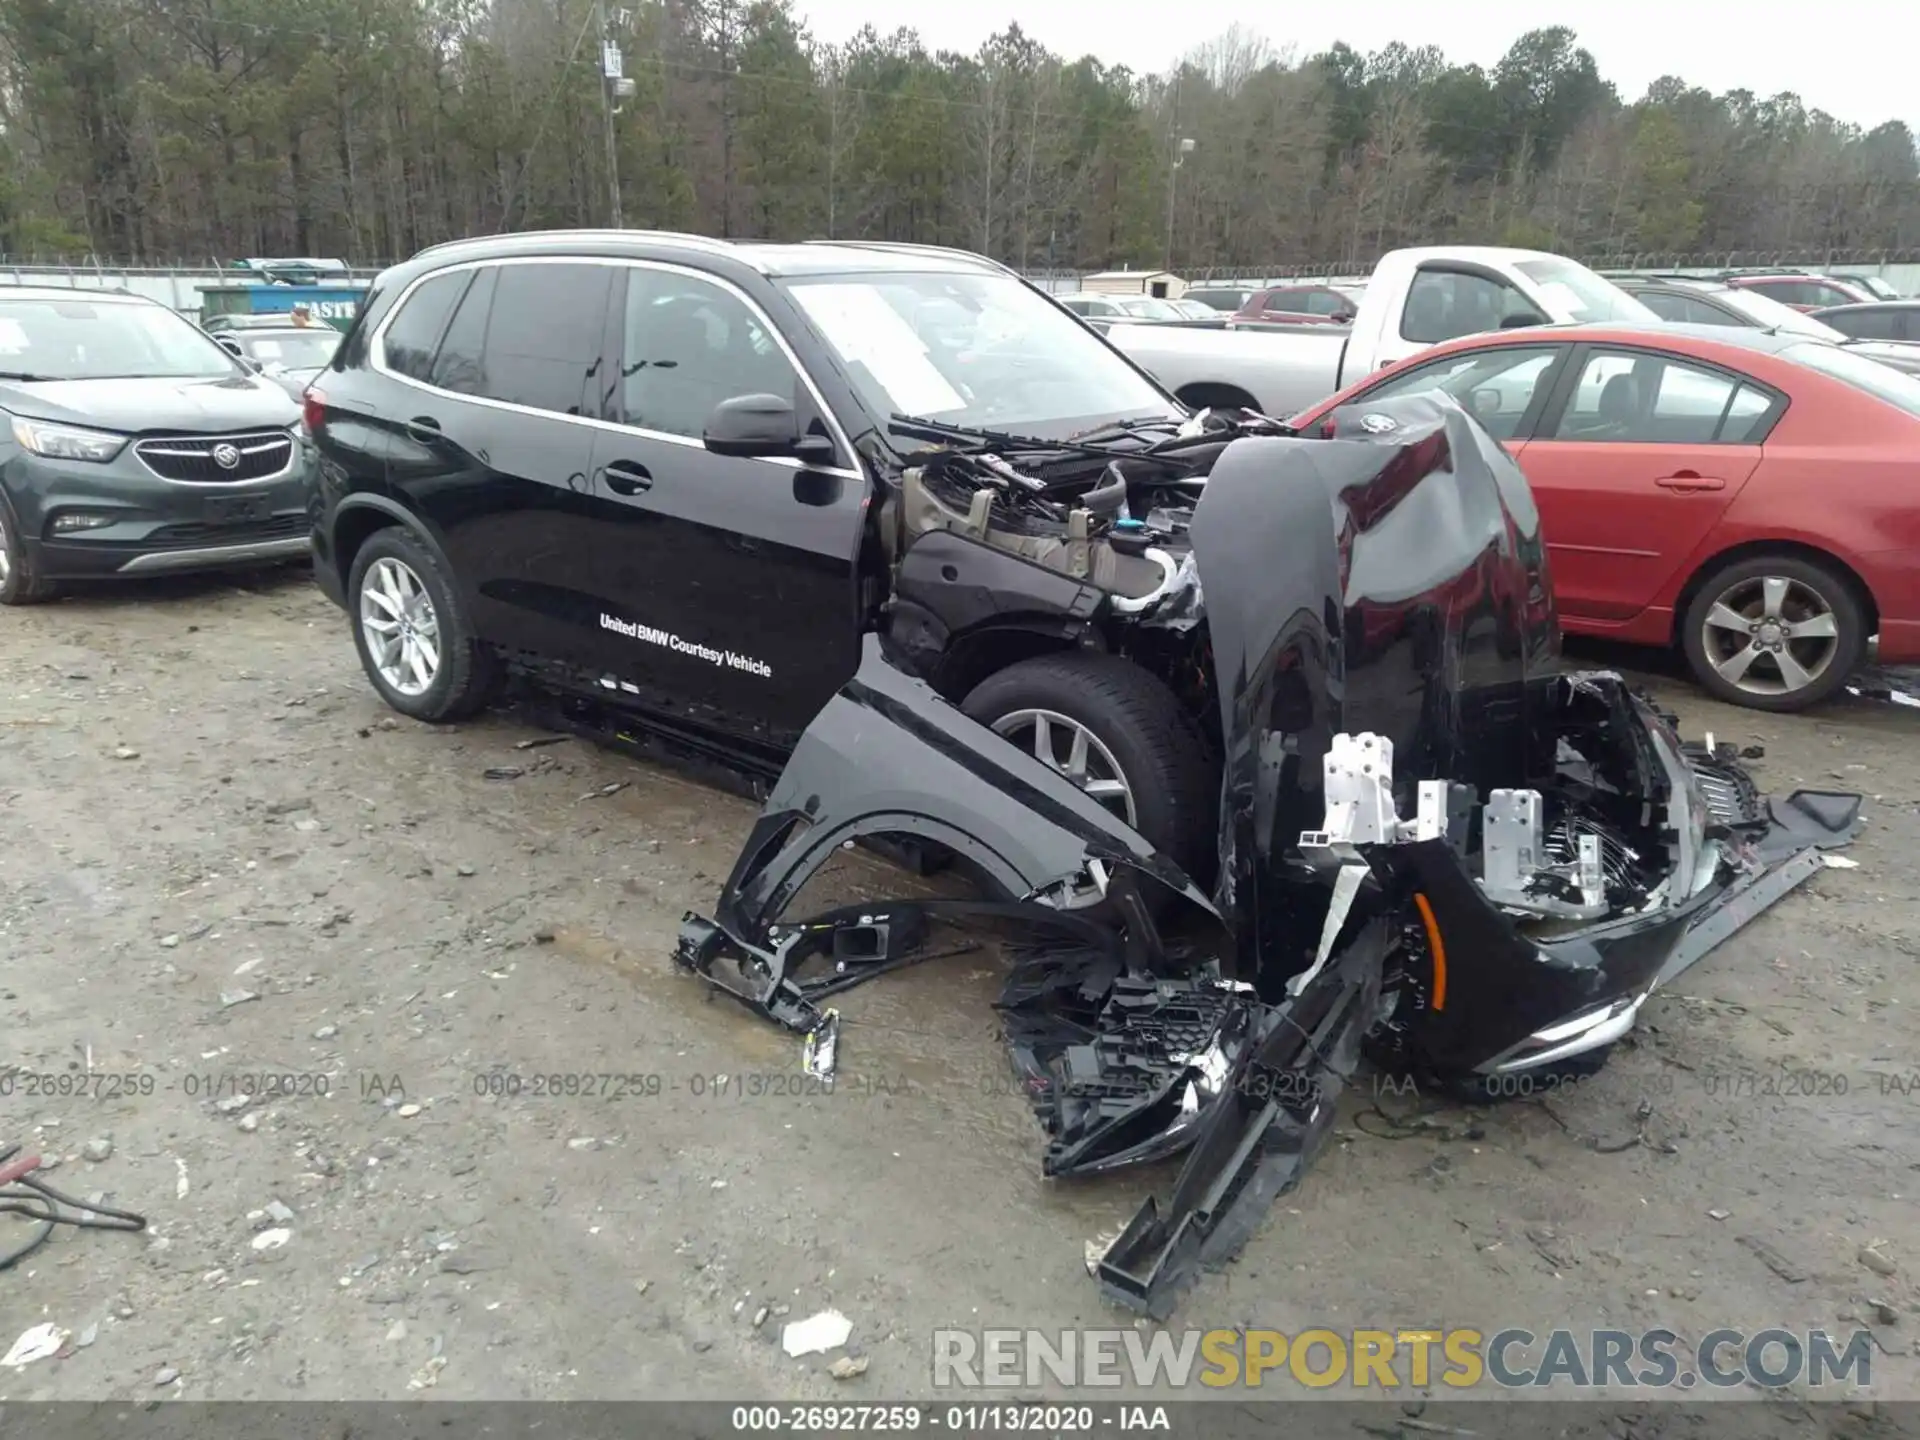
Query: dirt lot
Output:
(223,858)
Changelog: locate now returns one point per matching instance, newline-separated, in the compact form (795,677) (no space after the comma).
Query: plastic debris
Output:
(823,1046)
(816,1334)
(43,1340)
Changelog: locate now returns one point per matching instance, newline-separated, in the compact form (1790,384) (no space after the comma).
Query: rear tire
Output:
(1136,734)
(20,582)
(415,641)
(1742,611)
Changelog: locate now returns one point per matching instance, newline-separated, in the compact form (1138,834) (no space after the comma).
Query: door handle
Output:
(424,428)
(1685,481)
(625,477)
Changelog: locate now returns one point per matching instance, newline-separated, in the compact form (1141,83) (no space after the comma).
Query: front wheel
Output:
(1120,735)
(19,584)
(1775,632)
(415,641)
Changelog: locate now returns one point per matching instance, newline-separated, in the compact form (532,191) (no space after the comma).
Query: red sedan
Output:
(1750,497)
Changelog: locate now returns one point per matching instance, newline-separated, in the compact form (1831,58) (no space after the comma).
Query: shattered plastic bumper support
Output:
(1270,1118)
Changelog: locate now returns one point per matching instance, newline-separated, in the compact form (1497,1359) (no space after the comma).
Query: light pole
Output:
(1182,149)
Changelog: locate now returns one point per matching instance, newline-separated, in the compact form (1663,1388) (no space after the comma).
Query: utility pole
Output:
(613,83)
(1182,148)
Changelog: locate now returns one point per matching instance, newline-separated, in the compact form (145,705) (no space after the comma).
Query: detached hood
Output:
(133,406)
(1392,583)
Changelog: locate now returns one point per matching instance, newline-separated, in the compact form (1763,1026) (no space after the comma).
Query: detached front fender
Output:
(888,755)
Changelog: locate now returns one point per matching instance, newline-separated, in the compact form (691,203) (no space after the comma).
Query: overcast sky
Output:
(1866,75)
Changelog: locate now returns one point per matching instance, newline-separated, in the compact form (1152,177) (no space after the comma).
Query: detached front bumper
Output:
(1505,991)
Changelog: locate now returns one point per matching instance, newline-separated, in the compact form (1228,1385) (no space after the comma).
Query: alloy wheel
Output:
(1073,750)
(1770,635)
(401,629)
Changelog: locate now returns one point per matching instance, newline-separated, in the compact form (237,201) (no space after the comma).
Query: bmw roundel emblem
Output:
(1377,424)
(227,457)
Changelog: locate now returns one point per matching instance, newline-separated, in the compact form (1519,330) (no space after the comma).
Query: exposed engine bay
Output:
(1434,844)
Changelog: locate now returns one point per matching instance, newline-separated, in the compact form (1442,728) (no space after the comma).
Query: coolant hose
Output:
(1169,568)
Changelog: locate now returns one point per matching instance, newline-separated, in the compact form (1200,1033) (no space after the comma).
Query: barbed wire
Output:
(1716,262)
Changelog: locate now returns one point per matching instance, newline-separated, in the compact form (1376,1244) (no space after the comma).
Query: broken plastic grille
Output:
(1731,796)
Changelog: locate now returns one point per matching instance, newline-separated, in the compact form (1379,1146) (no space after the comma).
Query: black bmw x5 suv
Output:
(680,475)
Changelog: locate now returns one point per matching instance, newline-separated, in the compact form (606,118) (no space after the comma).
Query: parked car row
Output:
(1738,464)
(1668,520)
(1100,310)
(1689,300)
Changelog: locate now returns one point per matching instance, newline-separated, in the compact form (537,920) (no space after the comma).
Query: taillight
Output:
(313,409)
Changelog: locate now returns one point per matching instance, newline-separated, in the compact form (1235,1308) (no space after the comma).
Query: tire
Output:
(1137,729)
(463,679)
(20,583)
(1759,591)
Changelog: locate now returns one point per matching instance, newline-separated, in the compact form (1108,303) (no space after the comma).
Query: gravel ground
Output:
(225,859)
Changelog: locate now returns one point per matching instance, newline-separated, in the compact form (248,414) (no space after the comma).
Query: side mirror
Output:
(1346,317)
(1522,320)
(229,346)
(1484,402)
(762,426)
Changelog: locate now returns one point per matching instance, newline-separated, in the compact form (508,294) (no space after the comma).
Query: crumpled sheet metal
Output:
(889,757)
(1342,595)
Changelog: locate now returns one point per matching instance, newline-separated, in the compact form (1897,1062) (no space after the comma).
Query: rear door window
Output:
(1627,397)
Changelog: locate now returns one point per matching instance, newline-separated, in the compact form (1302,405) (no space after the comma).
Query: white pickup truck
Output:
(1415,298)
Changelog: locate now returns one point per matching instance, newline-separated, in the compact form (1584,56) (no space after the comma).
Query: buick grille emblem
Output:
(227,457)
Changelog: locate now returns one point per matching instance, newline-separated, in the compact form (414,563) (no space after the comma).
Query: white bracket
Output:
(1357,776)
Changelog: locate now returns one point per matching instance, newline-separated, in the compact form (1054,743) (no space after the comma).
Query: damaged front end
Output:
(1383,645)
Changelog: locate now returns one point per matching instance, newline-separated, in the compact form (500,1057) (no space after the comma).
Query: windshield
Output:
(1873,285)
(98,340)
(1880,381)
(1194,310)
(973,350)
(1148,307)
(293,350)
(1770,314)
(1581,295)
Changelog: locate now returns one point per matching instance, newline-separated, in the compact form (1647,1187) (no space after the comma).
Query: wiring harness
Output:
(39,1202)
